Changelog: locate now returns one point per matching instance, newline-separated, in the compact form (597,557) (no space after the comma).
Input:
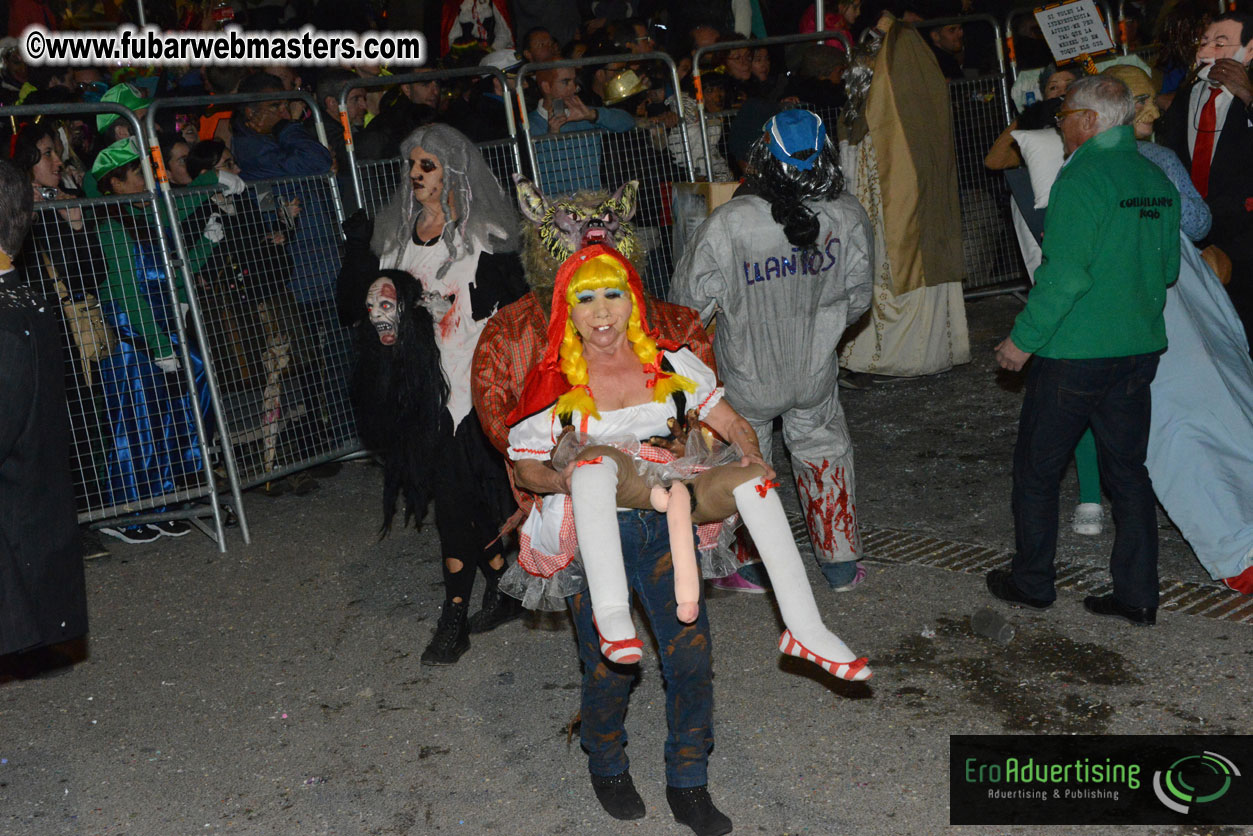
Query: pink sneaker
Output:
(735,582)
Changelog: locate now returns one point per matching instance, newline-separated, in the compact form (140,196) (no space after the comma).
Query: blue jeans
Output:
(1062,398)
(685,664)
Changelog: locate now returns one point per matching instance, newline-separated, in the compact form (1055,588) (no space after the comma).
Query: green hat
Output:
(119,153)
(127,95)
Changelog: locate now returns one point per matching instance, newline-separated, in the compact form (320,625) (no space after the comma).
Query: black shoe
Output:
(498,609)
(171,528)
(132,533)
(1001,585)
(1109,605)
(326,470)
(93,547)
(693,807)
(853,380)
(452,636)
(618,796)
(301,483)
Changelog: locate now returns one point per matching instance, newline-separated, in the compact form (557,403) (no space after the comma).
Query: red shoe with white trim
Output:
(855,671)
(623,651)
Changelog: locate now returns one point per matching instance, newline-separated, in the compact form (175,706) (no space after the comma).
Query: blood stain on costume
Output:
(828,508)
(449,321)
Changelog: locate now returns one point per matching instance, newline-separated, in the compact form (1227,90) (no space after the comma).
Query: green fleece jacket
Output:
(1111,248)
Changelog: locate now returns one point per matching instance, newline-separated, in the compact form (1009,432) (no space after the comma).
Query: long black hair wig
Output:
(399,394)
(788,189)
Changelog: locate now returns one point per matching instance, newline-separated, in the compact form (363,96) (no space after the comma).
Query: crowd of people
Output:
(581,440)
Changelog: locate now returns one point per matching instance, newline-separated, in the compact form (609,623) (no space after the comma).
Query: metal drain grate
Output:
(886,545)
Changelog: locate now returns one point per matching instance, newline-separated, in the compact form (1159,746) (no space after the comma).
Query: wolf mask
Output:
(560,227)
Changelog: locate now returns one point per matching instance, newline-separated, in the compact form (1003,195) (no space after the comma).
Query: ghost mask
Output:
(383,307)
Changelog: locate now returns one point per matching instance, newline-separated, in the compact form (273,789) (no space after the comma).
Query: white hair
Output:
(1105,96)
(484,216)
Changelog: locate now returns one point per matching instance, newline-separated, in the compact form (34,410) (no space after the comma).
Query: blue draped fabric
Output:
(1200,454)
(152,444)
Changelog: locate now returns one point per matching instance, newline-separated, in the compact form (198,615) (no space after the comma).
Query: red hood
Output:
(545,383)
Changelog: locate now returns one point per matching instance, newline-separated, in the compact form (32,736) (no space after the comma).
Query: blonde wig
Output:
(604,271)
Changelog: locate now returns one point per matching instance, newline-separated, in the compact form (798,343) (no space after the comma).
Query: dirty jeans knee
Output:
(685,660)
(605,692)
(686,664)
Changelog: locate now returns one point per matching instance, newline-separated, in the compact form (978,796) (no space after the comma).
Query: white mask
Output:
(384,309)
(1203,73)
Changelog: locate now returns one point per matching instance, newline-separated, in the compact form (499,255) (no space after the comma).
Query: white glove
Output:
(214,230)
(169,365)
(233,183)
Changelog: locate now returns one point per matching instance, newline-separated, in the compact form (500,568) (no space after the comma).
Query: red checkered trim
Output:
(707,534)
(657,455)
(538,564)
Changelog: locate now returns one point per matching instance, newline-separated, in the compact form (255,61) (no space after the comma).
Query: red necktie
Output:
(1203,150)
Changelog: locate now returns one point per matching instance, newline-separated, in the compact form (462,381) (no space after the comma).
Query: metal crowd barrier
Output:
(266,309)
(143,435)
(990,250)
(980,109)
(375,181)
(563,163)
(808,37)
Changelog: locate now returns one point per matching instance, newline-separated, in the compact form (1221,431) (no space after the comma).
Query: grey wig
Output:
(486,219)
(860,73)
(788,189)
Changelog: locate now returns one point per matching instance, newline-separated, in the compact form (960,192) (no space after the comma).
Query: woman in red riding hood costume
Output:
(604,383)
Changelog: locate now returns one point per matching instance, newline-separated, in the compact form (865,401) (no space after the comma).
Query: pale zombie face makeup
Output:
(383,307)
(426,176)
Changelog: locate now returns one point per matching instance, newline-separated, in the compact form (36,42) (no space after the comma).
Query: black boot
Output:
(452,636)
(618,796)
(693,807)
(498,609)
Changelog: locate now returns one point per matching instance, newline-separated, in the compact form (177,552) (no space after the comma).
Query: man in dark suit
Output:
(1210,127)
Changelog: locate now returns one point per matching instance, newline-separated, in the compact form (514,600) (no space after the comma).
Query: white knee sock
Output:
(594,492)
(767,522)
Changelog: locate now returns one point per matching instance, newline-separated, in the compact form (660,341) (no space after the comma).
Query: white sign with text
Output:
(1073,29)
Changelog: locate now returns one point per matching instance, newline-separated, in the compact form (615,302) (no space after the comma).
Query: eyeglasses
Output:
(1062,114)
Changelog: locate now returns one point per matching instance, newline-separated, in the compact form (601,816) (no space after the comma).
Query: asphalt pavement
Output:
(276,689)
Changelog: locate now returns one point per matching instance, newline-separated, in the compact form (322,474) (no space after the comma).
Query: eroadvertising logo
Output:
(1209,771)
(1099,779)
